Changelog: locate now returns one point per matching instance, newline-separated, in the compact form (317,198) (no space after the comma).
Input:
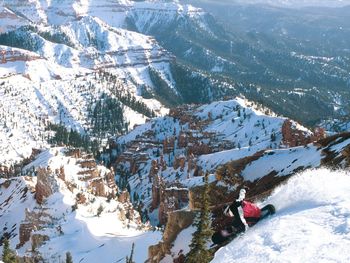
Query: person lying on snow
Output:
(244,214)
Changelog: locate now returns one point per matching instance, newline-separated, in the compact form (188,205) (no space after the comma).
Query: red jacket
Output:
(250,210)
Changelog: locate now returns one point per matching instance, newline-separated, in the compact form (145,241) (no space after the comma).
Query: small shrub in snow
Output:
(99,210)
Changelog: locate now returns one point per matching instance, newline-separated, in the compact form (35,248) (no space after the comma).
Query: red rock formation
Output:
(25,230)
(178,221)
(191,163)
(182,140)
(172,199)
(124,197)
(199,149)
(292,136)
(157,189)
(14,55)
(179,162)
(110,179)
(75,153)
(61,173)
(97,187)
(80,198)
(319,133)
(38,240)
(168,145)
(46,184)
(153,172)
(87,164)
(163,163)
(34,220)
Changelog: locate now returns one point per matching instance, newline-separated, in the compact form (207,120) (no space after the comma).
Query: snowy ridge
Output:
(50,77)
(59,43)
(88,237)
(311,208)
(115,12)
(9,20)
(28,107)
(204,138)
(299,3)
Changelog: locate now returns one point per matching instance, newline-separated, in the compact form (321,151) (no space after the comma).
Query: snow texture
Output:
(89,238)
(312,223)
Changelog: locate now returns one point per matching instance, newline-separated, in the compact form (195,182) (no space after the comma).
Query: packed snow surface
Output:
(312,223)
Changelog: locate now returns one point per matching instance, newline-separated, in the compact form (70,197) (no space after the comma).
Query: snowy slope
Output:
(311,223)
(62,41)
(228,130)
(50,77)
(113,12)
(9,20)
(28,107)
(89,238)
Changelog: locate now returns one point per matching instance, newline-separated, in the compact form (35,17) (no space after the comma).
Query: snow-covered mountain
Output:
(102,76)
(161,163)
(296,198)
(65,202)
(299,3)
(67,56)
(175,150)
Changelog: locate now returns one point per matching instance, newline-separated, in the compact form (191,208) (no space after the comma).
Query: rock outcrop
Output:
(293,135)
(34,220)
(46,184)
(177,221)
(172,199)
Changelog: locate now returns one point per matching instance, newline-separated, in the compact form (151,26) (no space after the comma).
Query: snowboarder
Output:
(245,214)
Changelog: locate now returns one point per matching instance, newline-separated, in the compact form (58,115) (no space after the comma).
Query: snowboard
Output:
(224,236)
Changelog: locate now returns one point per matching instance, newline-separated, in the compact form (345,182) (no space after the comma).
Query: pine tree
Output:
(129,259)
(8,256)
(199,251)
(69,258)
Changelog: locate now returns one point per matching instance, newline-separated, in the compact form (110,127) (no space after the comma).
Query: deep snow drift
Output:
(312,223)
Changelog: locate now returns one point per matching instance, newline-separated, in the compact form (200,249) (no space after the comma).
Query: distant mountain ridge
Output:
(299,3)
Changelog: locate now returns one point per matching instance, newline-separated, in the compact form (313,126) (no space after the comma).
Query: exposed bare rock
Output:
(89,164)
(25,231)
(110,179)
(172,198)
(231,171)
(157,189)
(124,197)
(61,173)
(153,172)
(177,221)
(97,187)
(80,198)
(13,55)
(89,174)
(38,240)
(162,163)
(6,184)
(346,154)
(46,184)
(75,153)
(168,145)
(179,162)
(294,136)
